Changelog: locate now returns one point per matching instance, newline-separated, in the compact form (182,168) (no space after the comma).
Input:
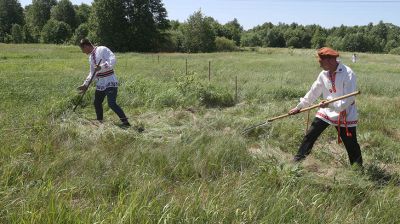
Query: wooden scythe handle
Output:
(90,81)
(317,105)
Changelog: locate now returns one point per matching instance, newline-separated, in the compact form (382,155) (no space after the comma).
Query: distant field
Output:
(191,165)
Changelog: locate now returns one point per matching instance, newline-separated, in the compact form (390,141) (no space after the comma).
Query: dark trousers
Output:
(111,93)
(317,127)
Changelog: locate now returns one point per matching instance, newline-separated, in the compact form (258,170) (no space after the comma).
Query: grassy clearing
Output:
(191,165)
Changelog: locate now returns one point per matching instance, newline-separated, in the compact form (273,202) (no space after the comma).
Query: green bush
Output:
(188,84)
(224,44)
(56,32)
(250,39)
(16,33)
(198,34)
(395,51)
(173,41)
(212,96)
(169,98)
(81,32)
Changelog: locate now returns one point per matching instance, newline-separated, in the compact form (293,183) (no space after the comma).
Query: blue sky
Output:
(327,13)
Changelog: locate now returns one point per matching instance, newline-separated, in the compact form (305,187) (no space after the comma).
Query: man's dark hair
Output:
(85,42)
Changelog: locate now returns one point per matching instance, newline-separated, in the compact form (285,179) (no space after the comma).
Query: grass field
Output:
(191,164)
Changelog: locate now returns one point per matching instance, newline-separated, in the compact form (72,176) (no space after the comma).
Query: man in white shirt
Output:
(335,80)
(106,80)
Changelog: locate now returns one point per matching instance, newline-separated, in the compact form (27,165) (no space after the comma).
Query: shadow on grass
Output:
(381,176)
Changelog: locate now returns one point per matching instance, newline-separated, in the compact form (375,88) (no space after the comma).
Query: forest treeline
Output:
(143,26)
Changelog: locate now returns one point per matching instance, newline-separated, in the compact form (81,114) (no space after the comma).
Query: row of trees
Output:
(379,38)
(142,25)
(124,25)
(203,34)
(46,21)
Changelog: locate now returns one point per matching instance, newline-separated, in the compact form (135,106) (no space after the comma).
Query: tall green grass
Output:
(191,164)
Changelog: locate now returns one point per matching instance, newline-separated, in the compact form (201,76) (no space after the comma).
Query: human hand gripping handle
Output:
(98,67)
(322,104)
(83,88)
(294,111)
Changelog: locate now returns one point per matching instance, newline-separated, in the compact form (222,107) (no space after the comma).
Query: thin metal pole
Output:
(236,95)
(186,67)
(209,71)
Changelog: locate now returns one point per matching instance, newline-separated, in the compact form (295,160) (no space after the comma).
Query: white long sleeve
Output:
(343,83)
(313,94)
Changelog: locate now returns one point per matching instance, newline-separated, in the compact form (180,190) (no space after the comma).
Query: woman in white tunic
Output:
(335,80)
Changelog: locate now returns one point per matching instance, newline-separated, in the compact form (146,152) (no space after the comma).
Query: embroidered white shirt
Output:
(342,83)
(105,77)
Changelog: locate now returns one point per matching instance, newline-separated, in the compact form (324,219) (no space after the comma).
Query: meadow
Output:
(191,164)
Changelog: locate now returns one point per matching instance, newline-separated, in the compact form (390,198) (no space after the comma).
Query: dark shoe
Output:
(298,158)
(125,124)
